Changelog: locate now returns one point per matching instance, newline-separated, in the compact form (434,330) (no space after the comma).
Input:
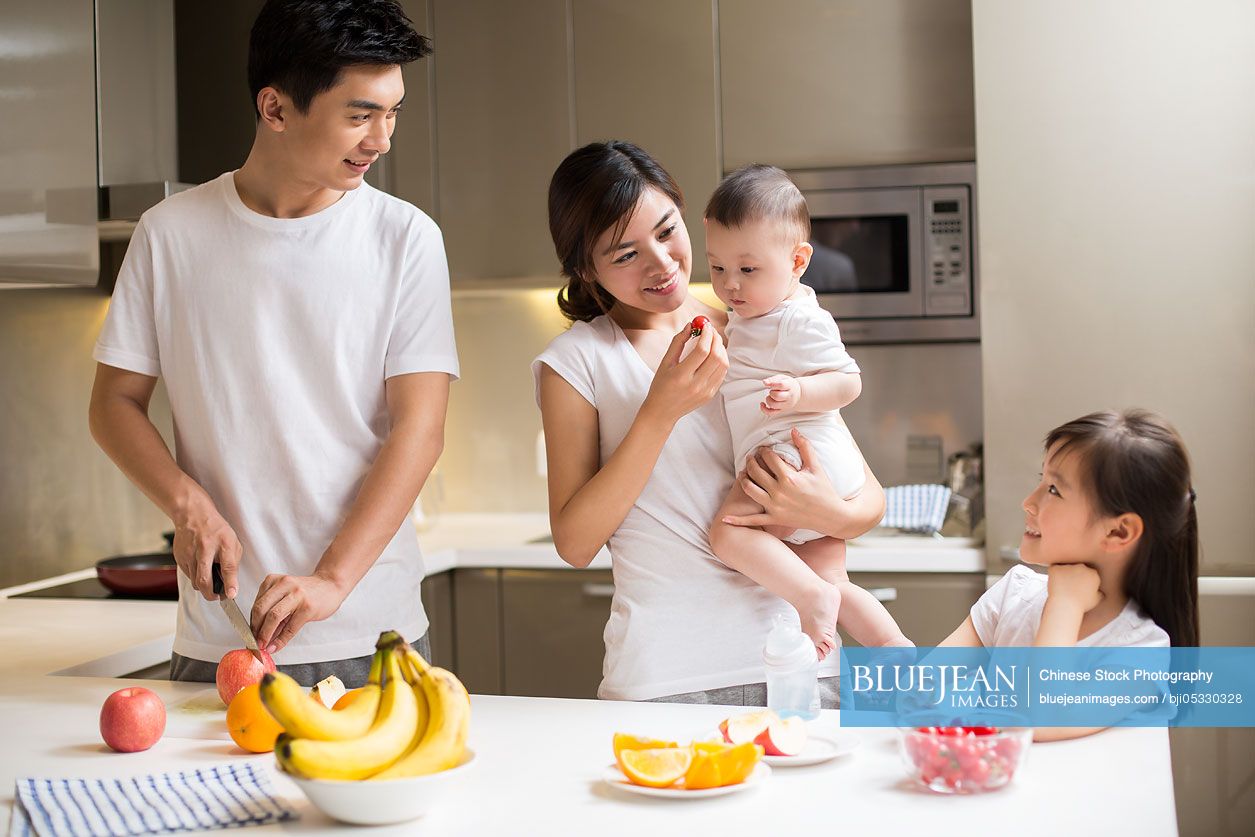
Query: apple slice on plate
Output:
(783,737)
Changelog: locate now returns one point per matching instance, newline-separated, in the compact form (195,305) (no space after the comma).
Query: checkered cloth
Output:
(916,508)
(222,796)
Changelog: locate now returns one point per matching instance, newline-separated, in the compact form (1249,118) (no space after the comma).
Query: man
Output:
(301,321)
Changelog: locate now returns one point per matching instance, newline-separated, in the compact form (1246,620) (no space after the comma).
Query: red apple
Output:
(745,727)
(132,719)
(783,737)
(239,668)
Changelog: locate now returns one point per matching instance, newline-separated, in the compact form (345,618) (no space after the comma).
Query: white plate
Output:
(614,776)
(819,748)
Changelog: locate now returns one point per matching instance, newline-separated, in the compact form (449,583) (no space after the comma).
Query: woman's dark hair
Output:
(594,189)
(1135,462)
(301,46)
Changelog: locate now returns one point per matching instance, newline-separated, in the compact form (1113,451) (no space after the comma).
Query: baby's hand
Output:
(783,393)
(1076,583)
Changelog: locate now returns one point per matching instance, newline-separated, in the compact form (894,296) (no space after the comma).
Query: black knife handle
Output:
(217,576)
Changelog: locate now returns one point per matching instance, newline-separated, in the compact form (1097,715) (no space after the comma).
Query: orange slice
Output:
(710,746)
(659,768)
(729,766)
(625,741)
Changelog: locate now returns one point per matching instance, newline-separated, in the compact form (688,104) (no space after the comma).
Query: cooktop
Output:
(89,588)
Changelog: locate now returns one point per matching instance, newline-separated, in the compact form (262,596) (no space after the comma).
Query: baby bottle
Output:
(792,670)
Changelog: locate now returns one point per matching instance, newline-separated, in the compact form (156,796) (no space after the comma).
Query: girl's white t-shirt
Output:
(274,337)
(680,621)
(1009,614)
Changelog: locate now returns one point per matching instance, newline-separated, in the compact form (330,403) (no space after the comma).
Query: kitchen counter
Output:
(521,541)
(539,760)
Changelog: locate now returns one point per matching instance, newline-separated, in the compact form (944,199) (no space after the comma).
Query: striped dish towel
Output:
(916,508)
(223,796)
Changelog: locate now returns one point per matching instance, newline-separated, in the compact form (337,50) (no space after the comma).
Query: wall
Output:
(1117,192)
(63,504)
(489,463)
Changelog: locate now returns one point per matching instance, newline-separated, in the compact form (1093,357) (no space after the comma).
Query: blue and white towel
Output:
(916,508)
(222,796)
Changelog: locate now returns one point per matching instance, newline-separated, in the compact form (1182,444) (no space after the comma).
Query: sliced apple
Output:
(328,691)
(744,728)
(783,737)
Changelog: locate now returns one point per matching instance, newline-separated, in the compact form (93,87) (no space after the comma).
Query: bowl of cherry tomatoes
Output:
(964,759)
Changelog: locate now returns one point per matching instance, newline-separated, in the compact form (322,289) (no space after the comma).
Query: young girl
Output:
(1113,522)
(787,369)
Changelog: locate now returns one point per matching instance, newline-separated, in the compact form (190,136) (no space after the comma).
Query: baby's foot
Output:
(819,618)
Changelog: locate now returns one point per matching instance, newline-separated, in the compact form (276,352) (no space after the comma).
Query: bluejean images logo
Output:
(1211,687)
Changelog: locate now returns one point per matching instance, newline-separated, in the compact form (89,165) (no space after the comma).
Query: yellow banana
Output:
(389,735)
(303,716)
(444,740)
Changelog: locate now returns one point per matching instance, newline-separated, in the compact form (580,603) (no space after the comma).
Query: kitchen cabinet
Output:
(530,632)
(503,124)
(810,83)
(48,144)
(552,622)
(437,593)
(926,606)
(634,64)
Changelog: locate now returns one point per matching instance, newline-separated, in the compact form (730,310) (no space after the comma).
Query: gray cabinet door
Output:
(502,126)
(552,623)
(926,606)
(48,144)
(477,630)
(645,72)
(437,592)
(809,83)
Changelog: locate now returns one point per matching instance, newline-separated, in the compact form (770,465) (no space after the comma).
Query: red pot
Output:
(152,574)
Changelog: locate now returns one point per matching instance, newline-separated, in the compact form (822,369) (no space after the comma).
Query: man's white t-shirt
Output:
(680,620)
(1009,614)
(274,337)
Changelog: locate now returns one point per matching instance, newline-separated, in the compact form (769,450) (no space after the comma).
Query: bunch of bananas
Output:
(410,720)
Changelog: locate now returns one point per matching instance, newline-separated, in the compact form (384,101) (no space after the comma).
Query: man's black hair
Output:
(301,46)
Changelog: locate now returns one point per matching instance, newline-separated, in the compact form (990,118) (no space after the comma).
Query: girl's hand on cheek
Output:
(1075,583)
(681,386)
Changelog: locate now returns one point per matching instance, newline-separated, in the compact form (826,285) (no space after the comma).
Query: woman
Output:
(639,449)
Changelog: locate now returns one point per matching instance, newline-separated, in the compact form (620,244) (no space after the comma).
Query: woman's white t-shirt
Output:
(680,620)
(1009,614)
(274,337)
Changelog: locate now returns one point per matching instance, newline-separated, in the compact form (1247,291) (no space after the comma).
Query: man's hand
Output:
(1074,583)
(285,603)
(201,538)
(783,394)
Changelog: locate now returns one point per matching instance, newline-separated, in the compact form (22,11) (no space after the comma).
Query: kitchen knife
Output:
(234,615)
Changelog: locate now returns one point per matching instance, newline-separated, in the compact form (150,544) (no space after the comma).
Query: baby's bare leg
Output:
(771,563)
(861,614)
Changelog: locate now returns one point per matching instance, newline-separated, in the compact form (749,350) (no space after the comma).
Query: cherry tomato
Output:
(981,730)
(699,323)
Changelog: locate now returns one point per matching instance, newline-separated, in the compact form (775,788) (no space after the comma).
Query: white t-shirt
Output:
(274,337)
(796,338)
(680,620)
(1009,614)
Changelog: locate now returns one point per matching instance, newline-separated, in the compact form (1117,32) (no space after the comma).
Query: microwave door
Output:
(866,263)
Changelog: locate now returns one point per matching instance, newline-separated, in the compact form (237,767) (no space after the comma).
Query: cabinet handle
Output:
(599,591)
(884,594)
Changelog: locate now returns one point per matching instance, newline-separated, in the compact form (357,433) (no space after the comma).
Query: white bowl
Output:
(383,802)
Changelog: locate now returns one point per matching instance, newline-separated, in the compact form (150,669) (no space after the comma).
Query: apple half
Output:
(740,729)
(783,737)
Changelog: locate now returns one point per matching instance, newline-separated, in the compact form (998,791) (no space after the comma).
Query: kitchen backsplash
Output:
(64,505)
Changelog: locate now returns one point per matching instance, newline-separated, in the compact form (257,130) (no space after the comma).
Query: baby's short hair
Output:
(760,193)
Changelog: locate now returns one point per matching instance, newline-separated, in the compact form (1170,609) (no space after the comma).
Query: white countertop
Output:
(539,760)
(512,541)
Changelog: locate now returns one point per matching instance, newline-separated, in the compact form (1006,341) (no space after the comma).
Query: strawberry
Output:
(699,323)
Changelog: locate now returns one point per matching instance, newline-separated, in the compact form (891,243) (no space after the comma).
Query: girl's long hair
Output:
(594,189)
(1135,462)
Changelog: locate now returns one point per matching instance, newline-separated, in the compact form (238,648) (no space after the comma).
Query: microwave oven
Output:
(895,251)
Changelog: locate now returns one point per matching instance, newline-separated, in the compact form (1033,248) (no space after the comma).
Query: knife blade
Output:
(234,615)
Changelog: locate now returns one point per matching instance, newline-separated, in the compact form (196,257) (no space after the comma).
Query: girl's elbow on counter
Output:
(576,555)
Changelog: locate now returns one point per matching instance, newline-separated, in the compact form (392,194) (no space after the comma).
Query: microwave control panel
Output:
(948,252)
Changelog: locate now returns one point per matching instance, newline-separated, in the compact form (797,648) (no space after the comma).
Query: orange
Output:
(658,768)
(346,700)
(625,741)
(716,768)
(250,725)
(710,747)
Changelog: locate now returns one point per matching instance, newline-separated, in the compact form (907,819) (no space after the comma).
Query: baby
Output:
(787,369)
